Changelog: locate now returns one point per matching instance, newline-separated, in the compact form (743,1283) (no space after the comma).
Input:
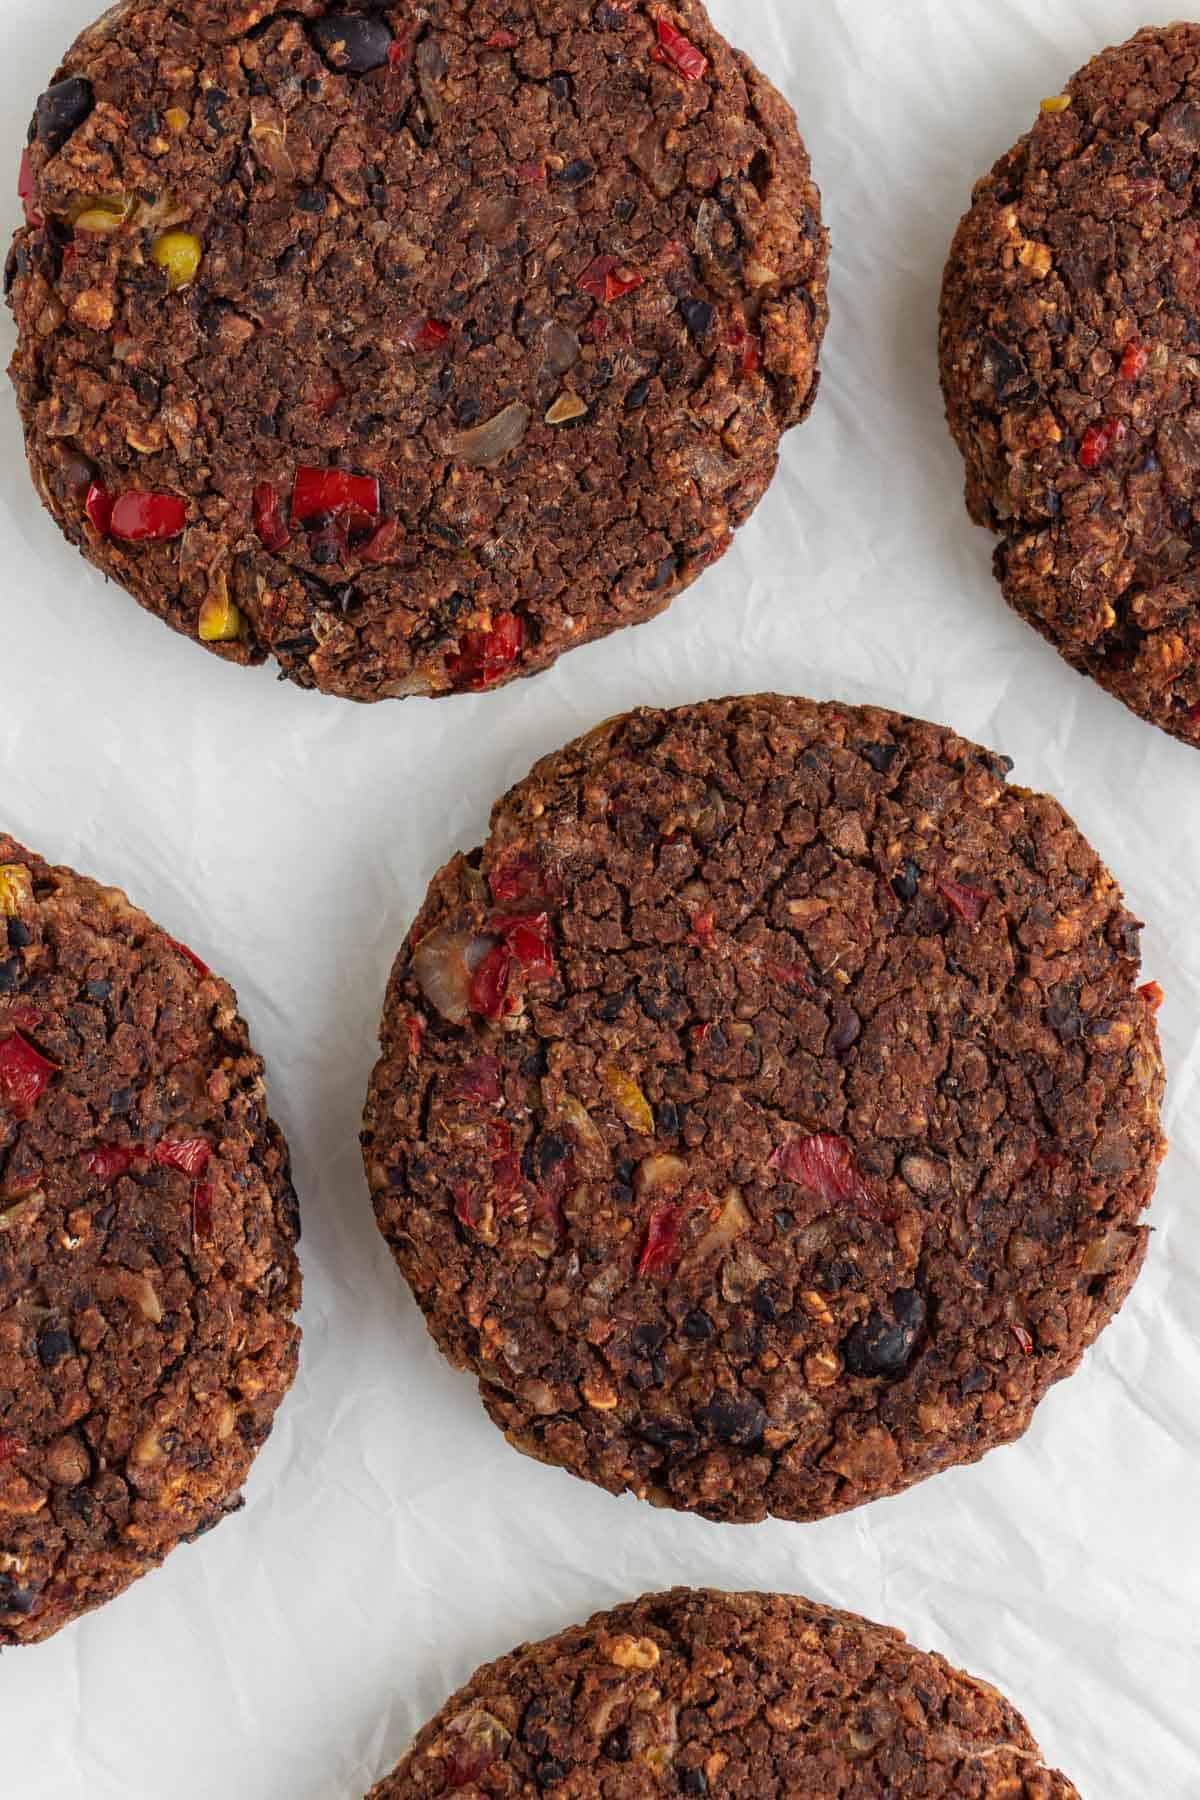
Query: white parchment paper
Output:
(391,1540)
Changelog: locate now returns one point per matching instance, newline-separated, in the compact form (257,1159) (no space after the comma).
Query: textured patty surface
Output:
(1069,350)
(766,1112)
(761,1696)
(489,319)
(148,1274)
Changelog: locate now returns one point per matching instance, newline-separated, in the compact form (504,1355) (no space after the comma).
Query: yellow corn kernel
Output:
(178,252)
(630,1101)
(16,888)
(98,212)
(1056,103)
(176,119)
(97,218)
(220,620)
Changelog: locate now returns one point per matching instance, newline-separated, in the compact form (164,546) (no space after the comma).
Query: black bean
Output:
(883,1347)
(561,86)
(215,103)
(648,1337)
(10,974)
(664,574)
(352,43)
(880,756)
(14,1599)
(847,1029)
(62,110)
(679,1441)
(15,263)
(1062,1012)
(52,1345)
(698,1327)
(573,174)
(765,1302)
(1004,368)
(312,199)
(18,934)
(734,1421)
(904,883)
(693,1781)
(698,316)
(550,1152)
(636,396)
(549,1771)
(666,1118)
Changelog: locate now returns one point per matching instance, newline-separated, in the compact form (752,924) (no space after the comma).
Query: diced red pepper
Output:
(507,1181)
(484,656)
(10,1445)
(517,876)
(414,1031)
(464,1205)
(423,334)
(470,1759)
(531,172)
(480,1080)
(1023,1339)
(201,968)
(317,491)
(25,1075)
(1134,361)
(598,326)
(824,1165)
(502,40)
(526,936)
(189,1155)
(514,877)
(107,1161)
(489,984)
(98,506)
(26,191)
(967,902)
(675,50)
(608,278)
(268,520)
(1099,439)
(746,346)
(140,518)
(398,50)
(1152,994)
(507,1185)
(661,1241)
(499,1138)
(703,927)
(202,1211)
(791,975)
(25,1018)
(383,542)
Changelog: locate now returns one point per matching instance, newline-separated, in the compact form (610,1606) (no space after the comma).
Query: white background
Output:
(391,1539)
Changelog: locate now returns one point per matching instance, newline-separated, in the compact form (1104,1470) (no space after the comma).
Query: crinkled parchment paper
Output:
(391,1540)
